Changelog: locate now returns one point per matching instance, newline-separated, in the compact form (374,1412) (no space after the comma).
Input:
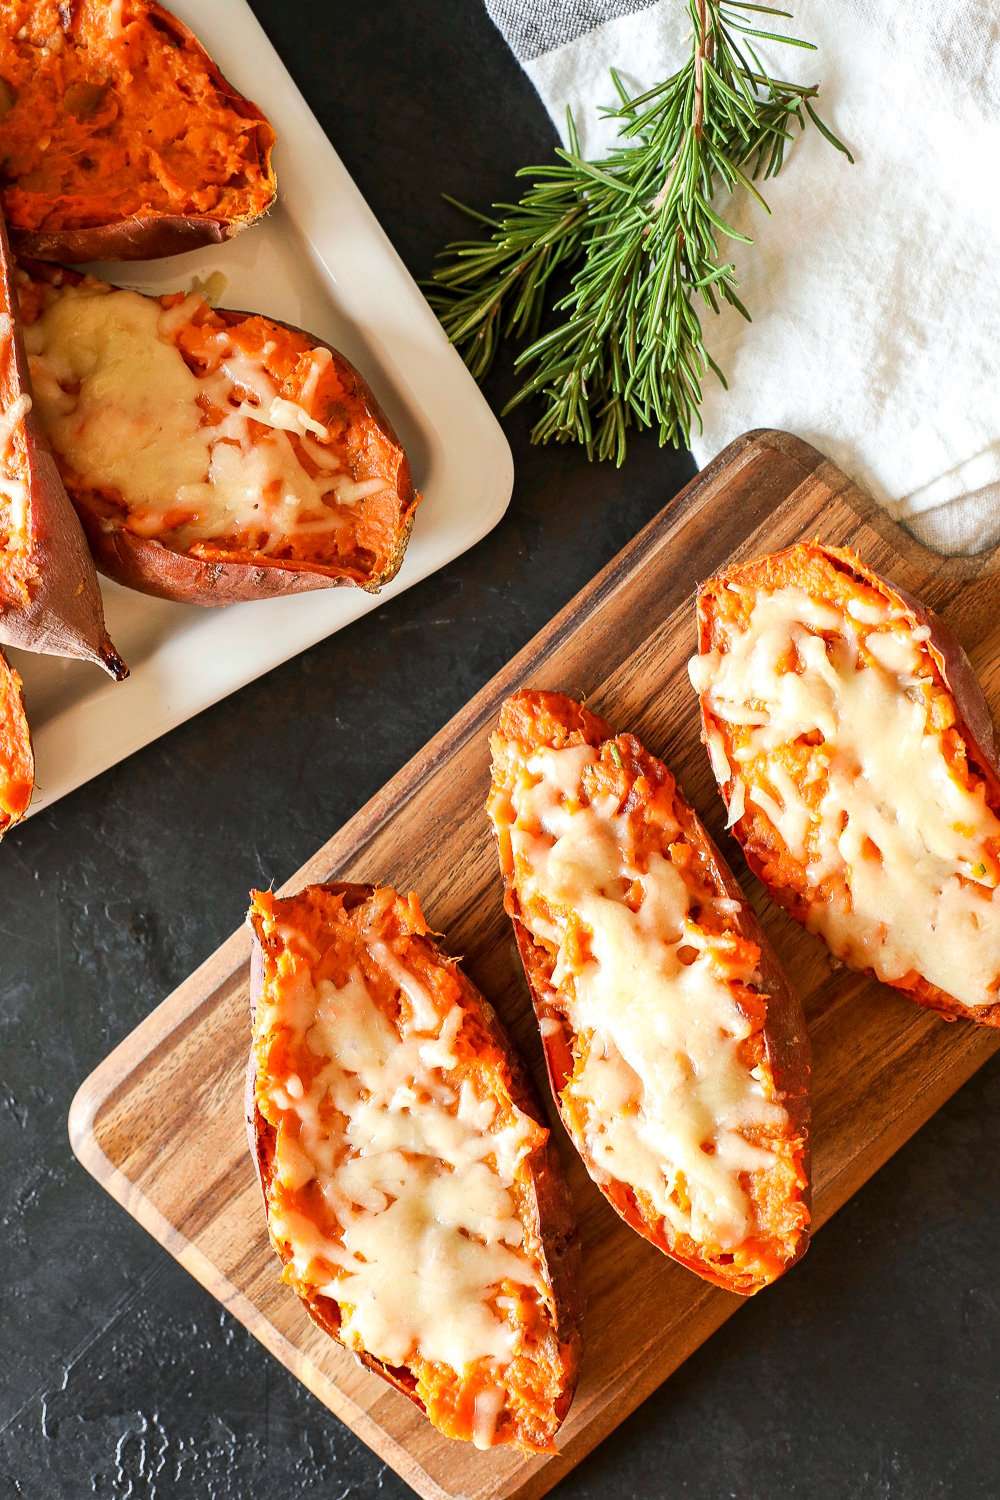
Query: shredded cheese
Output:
(905,855)
(414,1167)
(127,415)
(668,1103)
(14,507)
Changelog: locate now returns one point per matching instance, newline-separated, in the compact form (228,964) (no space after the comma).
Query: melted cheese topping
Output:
(18,564)
(666,1098)
(415,1169)
(906,855)
(14,497)
(126,413)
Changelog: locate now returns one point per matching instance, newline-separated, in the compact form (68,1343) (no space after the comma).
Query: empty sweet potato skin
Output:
(151,567)
(94,52)
(974,723)
(786,1040)
(17,764)
(553,1215)
(50,599)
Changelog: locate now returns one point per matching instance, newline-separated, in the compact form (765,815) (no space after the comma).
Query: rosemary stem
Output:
(636,237)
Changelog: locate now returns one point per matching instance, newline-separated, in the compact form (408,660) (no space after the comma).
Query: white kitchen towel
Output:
(874,288)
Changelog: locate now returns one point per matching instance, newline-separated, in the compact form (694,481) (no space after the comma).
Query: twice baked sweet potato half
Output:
(17,764)
(212,456)
(119,137)
(677,1052)
(856,754)
(410,1188)
(50,599)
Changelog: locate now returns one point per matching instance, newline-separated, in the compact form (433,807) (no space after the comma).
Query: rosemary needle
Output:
(602,269)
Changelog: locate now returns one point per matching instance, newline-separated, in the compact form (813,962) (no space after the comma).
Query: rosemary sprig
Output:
(637,234)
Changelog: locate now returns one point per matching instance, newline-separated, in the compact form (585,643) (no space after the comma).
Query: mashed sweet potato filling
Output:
(397,1193)
(222,437)
(107,111)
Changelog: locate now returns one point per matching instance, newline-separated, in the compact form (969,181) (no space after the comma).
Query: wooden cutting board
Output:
(160,1123)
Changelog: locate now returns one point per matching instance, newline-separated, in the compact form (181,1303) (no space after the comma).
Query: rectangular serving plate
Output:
(320,260)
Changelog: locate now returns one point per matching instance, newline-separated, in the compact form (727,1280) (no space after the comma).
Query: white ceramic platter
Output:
(321,261)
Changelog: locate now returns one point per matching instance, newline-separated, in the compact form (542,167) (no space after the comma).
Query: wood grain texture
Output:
(160,1122)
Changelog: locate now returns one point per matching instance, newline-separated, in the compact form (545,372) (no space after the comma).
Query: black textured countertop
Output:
(873,1371)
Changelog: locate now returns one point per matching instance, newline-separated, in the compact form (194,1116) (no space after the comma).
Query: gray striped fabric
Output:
(536,26)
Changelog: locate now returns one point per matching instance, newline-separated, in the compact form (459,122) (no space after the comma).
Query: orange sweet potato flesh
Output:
(778,1041)
(17,764)
(50,599)
(119,137)
(325,931)
(366,551)
(956,705)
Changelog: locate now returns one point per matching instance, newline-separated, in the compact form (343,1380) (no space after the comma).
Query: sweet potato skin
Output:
(15,794)
(785,1036)
(553,1215)
(146,237)
(150,567)
(974,722)
(153,235)
(60,612)
(147,566)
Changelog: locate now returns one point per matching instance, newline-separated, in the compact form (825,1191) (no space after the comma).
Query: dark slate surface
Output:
(872,1372)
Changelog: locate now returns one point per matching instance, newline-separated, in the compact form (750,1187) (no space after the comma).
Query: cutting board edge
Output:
(960,567)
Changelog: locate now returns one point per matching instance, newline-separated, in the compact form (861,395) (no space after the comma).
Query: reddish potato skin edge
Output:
(153,236)
(974,723)
(150,568)
(7,823)
(144,564)
(785,1035)
(553,1215)
(64,616)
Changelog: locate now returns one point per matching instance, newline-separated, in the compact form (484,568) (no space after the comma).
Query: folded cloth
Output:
(872,288)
